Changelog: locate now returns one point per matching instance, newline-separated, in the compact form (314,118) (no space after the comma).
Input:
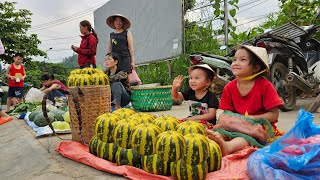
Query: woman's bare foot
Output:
(215,136)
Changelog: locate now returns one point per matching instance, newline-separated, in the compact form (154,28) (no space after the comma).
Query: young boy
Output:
(203,104)
(16,75)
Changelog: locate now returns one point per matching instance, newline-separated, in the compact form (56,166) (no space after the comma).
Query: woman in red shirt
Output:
(88,47)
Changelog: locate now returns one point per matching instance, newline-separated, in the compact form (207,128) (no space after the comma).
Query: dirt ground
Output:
(24,157)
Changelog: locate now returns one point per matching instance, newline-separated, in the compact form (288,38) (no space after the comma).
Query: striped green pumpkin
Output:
(155,165)
(71,80)
(197,148)
(124,113)
(104,127)
(83,80)
(180,170)
(99,71)
(100,79)
(144,138)
(143,117)
(93,144)
(128,157)
(189,127)
(166,123)
(88,70)
(170,146)
(75,71)
(215,156)
(107,151)
(122,132)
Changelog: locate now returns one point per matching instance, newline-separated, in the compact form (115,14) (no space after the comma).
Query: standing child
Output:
(203,104)
(16,75)
(250,94)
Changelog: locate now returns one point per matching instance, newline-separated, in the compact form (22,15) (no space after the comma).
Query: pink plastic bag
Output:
(134,78)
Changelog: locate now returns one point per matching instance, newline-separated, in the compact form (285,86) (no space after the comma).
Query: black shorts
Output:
(15,92)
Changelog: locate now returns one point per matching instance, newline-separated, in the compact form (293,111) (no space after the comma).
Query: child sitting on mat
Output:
(203,104)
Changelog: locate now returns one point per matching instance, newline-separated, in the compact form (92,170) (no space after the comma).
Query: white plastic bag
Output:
(34,95)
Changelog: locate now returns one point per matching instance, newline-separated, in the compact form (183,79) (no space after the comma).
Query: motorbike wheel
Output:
(278,74)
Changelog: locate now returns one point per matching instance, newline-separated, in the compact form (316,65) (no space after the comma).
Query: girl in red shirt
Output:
(88,47)
(249,94)
(16,75)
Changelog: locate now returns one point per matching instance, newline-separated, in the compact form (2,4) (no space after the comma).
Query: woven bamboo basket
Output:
(155,98)
(92,102)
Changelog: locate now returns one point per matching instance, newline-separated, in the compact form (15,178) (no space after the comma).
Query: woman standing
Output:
(88,47)
(121,41)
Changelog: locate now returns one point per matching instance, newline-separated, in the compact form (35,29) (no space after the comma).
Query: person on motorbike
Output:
(203,104)
(250,94)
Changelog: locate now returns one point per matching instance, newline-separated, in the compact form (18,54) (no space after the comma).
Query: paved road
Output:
(24,157)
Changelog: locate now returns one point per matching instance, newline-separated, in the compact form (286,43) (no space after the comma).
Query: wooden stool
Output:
(314,105)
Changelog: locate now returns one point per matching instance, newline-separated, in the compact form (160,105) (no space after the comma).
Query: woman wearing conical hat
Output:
(121,41)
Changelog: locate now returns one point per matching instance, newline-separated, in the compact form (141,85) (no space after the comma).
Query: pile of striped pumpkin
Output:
(159,145)
(87,77)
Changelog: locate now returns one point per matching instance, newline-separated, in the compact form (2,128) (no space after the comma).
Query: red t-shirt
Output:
(87,50)
(259,100)
(13,71)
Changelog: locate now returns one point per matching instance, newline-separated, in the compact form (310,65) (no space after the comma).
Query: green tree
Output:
(35,69)
(71,61)
(14,25)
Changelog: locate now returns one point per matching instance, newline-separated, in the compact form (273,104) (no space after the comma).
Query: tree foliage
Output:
(35,69)
(71,61)
(14,25)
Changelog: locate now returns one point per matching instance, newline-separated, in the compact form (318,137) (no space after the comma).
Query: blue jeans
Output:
(119,94)
(53,94)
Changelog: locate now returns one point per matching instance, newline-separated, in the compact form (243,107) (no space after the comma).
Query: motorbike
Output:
(220,64)
(294,59)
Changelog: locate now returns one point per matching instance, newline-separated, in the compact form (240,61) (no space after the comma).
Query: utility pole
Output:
(226,25)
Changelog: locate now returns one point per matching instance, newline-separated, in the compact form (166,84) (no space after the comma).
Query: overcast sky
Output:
(59,34)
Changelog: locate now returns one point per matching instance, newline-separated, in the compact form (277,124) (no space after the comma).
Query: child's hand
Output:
(177,82)
(13,78)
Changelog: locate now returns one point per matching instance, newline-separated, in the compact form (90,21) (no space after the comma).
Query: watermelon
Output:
(40,121)
(58,114)
(33,114)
